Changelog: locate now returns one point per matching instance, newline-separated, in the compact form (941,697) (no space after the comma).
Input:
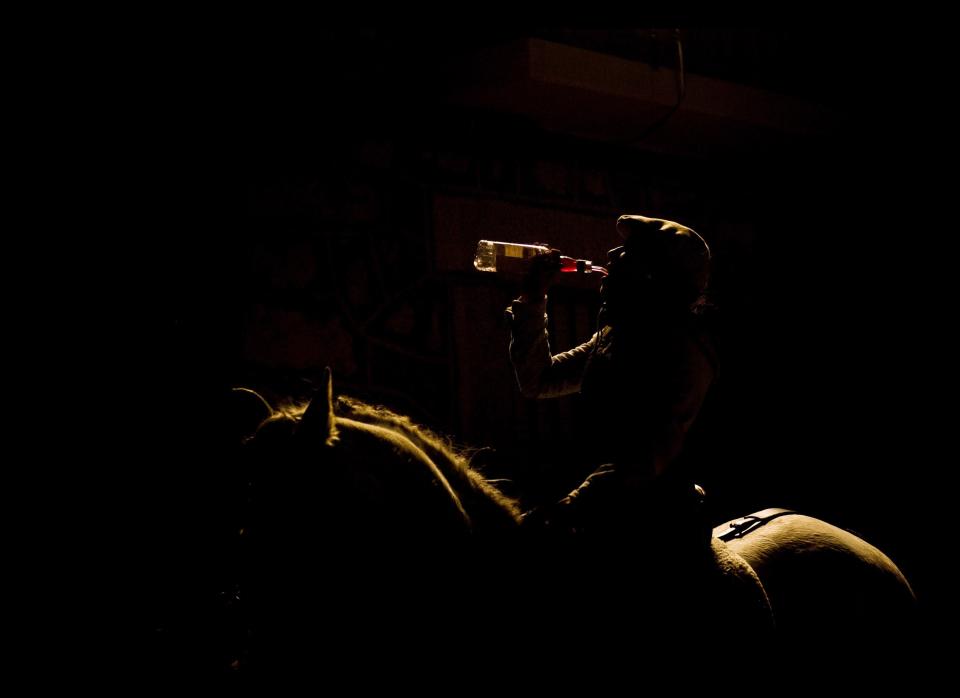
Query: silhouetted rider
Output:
(644,376)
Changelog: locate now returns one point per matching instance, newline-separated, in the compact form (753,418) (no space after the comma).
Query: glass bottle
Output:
(489,252)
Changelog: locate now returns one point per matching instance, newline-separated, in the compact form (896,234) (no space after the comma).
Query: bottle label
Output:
(513,251)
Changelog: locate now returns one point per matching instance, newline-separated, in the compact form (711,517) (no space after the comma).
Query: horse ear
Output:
(319,419)
(247,411)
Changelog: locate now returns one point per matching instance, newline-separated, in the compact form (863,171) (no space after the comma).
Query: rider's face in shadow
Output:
(627,288)
(653,276)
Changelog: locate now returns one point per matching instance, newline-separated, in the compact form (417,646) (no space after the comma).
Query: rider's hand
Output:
(541,272)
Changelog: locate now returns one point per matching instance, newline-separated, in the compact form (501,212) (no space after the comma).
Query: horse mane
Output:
(480,497)
(452,462)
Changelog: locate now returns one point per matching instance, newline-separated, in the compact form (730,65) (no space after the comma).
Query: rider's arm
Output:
(541,374)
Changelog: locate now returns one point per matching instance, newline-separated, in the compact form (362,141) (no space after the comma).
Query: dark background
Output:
(317,203)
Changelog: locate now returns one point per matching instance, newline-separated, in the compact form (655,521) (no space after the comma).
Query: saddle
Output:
(742,526)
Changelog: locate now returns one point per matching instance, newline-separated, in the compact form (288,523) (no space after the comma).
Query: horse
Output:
(379,497)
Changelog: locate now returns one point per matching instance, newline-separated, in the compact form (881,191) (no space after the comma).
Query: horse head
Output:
(368,474)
